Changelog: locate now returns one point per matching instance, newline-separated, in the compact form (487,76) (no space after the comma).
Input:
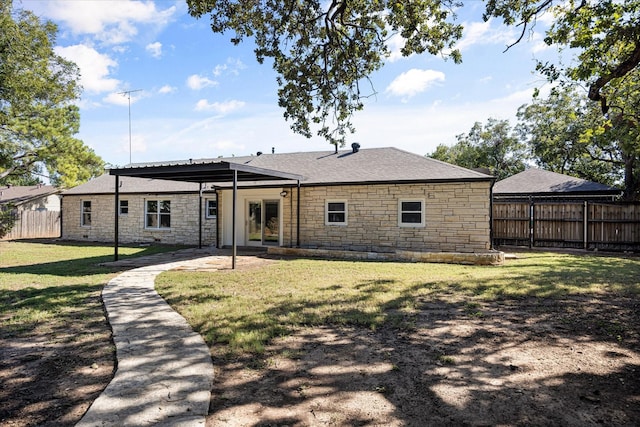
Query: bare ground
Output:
(574,362)
(530,361)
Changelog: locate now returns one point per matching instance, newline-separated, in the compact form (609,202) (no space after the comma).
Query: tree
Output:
(493,146)
(8,217)
(38,119)
(323,52)
(568,134)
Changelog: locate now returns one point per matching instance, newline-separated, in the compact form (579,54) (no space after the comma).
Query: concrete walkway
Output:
(164,371)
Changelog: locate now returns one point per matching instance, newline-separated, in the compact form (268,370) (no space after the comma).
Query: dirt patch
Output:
(51,378)
(574,362)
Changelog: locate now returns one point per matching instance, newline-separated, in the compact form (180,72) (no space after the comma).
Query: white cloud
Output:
(232,66)
(166,89)
(155,49)
(395,44)
(414,81)
(94,67)
(111,22)
(484,33)
(219,107)
(197,82)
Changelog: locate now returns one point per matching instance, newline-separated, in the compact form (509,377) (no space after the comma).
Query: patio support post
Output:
(233,225)
(298,217)
(200,217)
(116,219)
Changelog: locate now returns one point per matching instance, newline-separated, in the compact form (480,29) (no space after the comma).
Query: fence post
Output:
(585,225)
(531,224)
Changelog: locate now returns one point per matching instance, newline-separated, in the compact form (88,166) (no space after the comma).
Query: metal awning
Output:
(202,172)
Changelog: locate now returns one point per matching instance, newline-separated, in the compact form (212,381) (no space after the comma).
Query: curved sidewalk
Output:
(164,371)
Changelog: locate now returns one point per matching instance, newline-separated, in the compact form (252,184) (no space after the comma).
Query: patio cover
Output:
(202,172)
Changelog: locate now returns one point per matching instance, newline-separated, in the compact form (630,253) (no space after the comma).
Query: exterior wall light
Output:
(283,193)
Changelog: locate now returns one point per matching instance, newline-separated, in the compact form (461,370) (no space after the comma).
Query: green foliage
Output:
(7,219)
(493,146)
(323,52)
(568,134)
(38,119)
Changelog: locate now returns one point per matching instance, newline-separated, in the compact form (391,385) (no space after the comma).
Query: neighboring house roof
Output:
(373,165)
(537,182)
(20,194)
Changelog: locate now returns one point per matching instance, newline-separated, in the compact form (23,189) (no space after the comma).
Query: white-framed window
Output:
(336,212)
(211,208)
(411,213)
(157,214)
(124,207)
(85,214)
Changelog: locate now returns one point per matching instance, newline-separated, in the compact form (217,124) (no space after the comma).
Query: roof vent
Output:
(273,150)
(355,147)
(259,153)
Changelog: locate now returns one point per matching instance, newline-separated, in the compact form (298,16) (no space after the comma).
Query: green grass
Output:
(46,287)
(244,310)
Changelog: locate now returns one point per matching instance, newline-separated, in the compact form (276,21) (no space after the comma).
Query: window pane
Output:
(336,217)
(334,206)
(212,208)
(412,206)
(165,221)
(124,207)
(152,206)
(412,218)
(152,220)
(165,206)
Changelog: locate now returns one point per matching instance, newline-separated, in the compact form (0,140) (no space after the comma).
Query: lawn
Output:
(245,309)
(56,353)
(547,339)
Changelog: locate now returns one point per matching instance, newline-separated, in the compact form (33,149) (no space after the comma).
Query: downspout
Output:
(116,219)
(298,217)
(200,217)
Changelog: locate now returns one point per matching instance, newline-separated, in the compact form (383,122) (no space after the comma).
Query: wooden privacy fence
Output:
(35,225)
(584,225)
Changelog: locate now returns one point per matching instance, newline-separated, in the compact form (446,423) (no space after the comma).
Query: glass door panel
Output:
(271,222)
(254,223)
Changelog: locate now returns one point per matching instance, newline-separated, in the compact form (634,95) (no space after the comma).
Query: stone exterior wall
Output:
(184,220)
(457,218)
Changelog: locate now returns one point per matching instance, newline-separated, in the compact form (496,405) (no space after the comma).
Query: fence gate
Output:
(583,225)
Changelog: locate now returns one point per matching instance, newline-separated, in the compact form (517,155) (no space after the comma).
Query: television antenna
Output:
(128,93)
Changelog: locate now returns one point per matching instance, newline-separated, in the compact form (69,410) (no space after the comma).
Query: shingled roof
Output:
(367,166)
(537,182)
(19,194)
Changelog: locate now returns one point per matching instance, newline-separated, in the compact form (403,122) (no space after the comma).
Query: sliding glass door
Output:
(263,222)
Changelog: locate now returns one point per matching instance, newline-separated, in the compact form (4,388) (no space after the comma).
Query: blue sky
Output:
(202,97)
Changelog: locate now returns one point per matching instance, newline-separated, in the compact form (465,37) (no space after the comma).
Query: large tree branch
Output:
(621,70)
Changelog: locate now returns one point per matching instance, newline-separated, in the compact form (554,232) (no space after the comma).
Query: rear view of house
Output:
(373,200)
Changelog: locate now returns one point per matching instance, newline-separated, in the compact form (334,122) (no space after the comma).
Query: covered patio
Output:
(202,173)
